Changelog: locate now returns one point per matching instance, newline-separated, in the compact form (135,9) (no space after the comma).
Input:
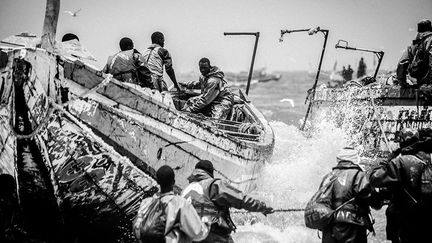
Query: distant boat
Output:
(333,78)
(258,76)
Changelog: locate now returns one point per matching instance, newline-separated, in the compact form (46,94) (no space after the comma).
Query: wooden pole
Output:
(50,25)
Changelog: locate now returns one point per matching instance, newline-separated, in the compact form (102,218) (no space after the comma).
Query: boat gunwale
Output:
(267,133)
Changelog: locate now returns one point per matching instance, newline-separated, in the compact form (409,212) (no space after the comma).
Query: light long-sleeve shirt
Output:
(183,225)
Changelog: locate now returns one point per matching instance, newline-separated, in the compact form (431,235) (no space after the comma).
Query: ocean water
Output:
(299,162)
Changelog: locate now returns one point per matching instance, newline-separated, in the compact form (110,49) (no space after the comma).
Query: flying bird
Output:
(291,101)
(73,14)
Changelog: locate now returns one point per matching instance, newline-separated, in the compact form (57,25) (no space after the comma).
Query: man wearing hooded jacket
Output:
(212,198)
(352,220)
(402,175)
(216,100)
(424,37)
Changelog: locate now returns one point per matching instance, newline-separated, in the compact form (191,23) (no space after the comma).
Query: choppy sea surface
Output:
(298,164)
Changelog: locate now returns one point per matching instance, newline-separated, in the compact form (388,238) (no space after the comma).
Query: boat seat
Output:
(234,129)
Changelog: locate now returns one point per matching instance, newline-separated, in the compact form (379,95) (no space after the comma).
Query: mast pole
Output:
(50,25)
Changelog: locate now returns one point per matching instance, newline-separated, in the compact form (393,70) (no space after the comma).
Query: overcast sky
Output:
(194,28)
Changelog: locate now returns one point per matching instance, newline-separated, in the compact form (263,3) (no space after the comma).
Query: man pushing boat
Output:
(216,99)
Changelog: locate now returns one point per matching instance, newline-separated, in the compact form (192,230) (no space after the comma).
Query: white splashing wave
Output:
(299,162)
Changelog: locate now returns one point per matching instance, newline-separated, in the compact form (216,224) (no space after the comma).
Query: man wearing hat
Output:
(351,193)
(408,215)
(409,62)
(212,198)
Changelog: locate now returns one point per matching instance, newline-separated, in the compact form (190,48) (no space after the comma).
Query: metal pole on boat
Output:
(256,34)
(310,31)
(50,25)
(379,54)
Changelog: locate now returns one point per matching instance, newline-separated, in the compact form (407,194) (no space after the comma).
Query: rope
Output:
(55,107)
(94,89)
(380,126)
(36,131)
(389,148)
(231,181)
(279,210)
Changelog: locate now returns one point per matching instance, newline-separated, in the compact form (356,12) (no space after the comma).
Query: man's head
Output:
(204,66)
(348,153)
(407,136)
(126,44)
(424,25)
(158,38)
(165,178)
(69,36)
(205,165)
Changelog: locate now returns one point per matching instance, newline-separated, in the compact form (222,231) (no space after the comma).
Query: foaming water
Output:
(299,162)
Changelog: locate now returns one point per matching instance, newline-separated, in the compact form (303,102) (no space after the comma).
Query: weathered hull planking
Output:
(100,141)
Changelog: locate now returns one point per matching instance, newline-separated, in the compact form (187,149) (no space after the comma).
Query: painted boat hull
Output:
(90,180)
(101,151)
(146,122)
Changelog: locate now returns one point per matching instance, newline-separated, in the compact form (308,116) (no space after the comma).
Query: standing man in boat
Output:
(216,99)
(156,57)
(127,66)
(213,198)
(361,71)
(350,72)
(181,221)
(417,58)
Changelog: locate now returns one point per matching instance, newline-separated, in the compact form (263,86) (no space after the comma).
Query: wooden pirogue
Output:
(374,114)
(101,140)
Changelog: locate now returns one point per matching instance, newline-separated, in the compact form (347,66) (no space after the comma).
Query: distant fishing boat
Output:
(258,76)
(101,140)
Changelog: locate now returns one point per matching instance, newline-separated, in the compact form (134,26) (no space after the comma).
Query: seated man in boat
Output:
(417,58)
(127,66)
(156,57)
(216,99)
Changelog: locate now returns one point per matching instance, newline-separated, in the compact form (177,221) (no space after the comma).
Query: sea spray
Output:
(299,162)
